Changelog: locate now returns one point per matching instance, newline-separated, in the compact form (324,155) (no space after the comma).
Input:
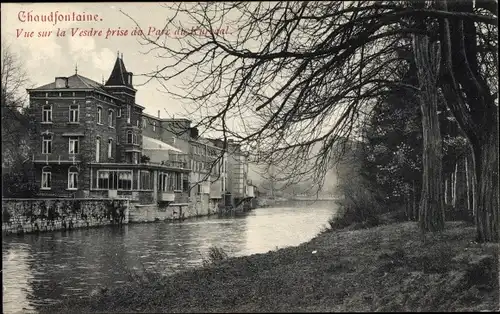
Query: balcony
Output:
(166,196)
(172,161)
(181,198)
(56,158)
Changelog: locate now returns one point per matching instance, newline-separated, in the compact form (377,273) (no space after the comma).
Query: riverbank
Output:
(386,268)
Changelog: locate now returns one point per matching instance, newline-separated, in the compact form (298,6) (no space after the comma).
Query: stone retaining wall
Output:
(37,215)
(173,211)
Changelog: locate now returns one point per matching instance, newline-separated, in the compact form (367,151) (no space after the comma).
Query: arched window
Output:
(46,178)
(99,115)
(110,148)
(111,118)
(72,178)
(97,149)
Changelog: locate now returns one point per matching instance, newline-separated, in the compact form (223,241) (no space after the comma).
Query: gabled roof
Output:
(119,75)
(75,81)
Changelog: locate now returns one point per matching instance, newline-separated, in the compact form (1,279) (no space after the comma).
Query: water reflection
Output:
(39,269)
(19,277)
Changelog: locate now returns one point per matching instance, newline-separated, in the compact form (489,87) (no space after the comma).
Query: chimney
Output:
(158,114)
(61,82)
(130,75)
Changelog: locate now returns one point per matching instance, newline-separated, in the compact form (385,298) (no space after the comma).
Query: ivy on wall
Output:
(29,211)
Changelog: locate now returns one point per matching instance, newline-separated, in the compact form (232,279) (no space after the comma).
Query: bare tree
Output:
(15,121)
(293,74)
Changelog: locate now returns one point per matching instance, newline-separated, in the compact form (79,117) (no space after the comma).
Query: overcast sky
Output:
(46,58)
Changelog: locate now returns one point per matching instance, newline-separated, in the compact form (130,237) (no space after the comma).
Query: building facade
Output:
(89,142)
(238,188)
(94,140)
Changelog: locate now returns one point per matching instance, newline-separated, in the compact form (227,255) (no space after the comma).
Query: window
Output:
(163,177)
(73,113)
(103,179)
(72,178)
(119,113)
(154,126)
(144,123)
(99,115)
(185,183)
(73,145)
(110,148)
(97,149)
(111,118)
(137,123)
(46,144)
(125,180)
(178,181)
(131,138)
(114,179)
(46,178)
(129,113)
(145,180)
(47,113)
(170,181)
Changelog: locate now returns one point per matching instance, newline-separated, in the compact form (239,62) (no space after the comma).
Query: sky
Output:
(45,58)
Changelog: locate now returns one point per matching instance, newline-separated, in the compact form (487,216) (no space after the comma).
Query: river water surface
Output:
(41,269)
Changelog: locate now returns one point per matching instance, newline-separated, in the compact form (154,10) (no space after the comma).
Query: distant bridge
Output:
(319,198)
(300,199)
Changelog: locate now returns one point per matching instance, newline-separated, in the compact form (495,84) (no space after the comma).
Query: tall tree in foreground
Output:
(467,86)
(292,74)
(427,62)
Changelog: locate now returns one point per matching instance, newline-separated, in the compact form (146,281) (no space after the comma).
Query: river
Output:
(40,269)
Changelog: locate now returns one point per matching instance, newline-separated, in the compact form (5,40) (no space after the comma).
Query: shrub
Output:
(18,184)
(360,205)
(215,256)
(145,159)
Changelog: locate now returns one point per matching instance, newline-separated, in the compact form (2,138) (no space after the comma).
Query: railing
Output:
(56,158)
(169,163)
(166,196)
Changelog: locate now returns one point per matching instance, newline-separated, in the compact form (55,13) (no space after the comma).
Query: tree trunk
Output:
(472,183)
(476,113)
(487,211)
(467,181)
(413,209)
(460,186)
(427,60)
(446,190)
(454,187)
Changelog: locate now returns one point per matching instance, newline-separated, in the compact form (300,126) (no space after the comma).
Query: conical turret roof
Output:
(119,76)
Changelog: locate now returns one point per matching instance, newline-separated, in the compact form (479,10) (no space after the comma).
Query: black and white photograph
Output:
(251,156)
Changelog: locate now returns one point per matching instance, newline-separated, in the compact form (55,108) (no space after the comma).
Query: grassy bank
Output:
(385,268)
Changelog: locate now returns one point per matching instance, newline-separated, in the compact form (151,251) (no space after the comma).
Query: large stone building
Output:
(94,140)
